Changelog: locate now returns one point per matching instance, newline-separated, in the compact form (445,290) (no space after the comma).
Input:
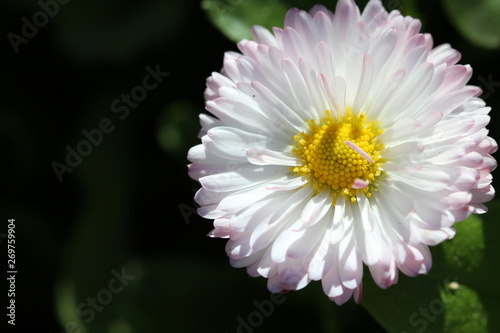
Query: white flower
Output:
(339,140)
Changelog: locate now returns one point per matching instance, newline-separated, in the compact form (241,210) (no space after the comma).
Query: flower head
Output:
(341,140)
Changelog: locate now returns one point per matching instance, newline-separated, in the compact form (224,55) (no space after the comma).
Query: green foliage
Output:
(97,245)
(115,210)
(235,18)
(459,294)
(477,20)
(175,132)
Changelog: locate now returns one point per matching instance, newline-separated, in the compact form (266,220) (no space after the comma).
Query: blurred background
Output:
(99,103)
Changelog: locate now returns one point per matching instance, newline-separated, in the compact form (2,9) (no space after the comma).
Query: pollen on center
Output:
(340,154)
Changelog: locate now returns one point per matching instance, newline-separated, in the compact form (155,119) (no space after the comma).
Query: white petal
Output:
(308,241)
(263,36)
(315,210)
(241,177)
(263,156)
(435,153)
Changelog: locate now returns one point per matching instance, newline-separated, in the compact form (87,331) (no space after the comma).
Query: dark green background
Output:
(128,205)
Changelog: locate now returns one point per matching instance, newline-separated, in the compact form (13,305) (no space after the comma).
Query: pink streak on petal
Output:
(358,293)
(359,184)
(360,151)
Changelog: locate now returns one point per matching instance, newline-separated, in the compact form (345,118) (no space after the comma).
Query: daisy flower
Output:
(344,139)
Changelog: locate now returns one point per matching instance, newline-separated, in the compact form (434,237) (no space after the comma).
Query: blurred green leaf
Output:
(476,20)
(98,244)
(459,294)
(177,128)
(180,293)
(235,18)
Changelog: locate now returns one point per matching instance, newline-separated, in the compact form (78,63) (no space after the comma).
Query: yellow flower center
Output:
(340,154)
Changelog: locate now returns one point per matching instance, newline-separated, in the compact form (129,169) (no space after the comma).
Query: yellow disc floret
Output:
(340,154)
